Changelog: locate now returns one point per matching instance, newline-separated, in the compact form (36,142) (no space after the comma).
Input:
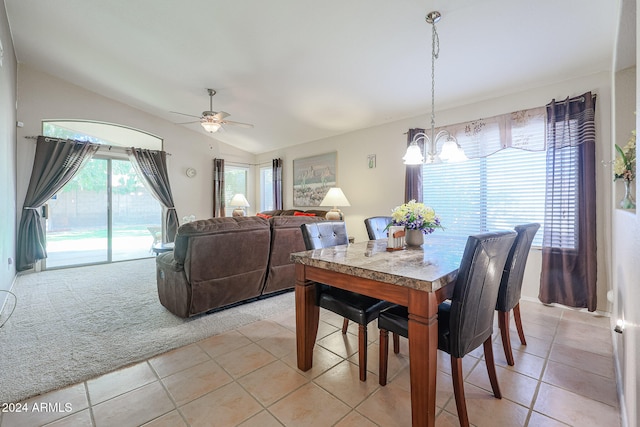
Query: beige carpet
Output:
(71,325)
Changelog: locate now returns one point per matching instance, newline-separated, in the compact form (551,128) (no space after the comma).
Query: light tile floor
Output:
(248,377)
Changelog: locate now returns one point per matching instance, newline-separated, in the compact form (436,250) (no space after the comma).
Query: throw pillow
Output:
(303,214)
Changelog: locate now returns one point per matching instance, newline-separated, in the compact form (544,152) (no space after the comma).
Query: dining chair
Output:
(377,227)
(350,305)
(511,286)
(466,321)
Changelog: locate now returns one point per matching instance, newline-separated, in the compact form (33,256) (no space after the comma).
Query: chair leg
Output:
(396,343)
(491,368)
(516,317)
(458,390)
(345,325)
(383,357)
(503,323)
(362,351)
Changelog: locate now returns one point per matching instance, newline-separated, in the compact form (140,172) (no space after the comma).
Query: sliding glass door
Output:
(103,214)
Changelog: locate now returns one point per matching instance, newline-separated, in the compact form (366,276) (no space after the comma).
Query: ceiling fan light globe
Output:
(210,126)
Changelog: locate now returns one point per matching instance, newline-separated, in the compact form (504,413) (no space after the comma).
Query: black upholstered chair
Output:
(511,286)
(466,321)
(350,305)
(377,227)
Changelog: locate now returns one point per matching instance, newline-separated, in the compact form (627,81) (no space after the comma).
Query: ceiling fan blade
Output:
(220,115)
(187,123)
(239,124)
(184,114)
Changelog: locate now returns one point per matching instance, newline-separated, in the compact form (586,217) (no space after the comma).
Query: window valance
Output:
(524,129)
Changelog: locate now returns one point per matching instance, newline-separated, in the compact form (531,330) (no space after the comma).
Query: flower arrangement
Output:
(624,165)
(416,216)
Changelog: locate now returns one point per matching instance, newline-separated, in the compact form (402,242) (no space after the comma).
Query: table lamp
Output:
(239,202)
(335,197)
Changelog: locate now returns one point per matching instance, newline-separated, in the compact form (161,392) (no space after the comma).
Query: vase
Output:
(414,238)
(627,202)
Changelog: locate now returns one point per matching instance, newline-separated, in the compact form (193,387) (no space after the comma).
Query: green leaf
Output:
(619,150)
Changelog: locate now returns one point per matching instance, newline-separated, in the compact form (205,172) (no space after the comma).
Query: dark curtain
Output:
(218,188)
(56,161)
(413,177)
(569,242)
(277,184)
(151,165)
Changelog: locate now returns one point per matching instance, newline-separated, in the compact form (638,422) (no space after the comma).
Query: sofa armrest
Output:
(166,261)
(174,291)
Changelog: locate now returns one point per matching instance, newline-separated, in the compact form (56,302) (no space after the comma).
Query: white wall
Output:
(626,237)
(8,72)
(42,96)
(377,191)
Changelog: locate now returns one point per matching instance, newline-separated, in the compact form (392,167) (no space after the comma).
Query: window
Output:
(235,182)
(105,213)
(266,188)
(496,192)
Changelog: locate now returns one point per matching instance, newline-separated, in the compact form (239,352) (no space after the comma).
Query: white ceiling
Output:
(301,70)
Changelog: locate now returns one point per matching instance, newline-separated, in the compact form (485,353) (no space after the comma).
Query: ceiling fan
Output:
(211,120)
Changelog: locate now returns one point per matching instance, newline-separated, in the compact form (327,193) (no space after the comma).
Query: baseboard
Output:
(584,310)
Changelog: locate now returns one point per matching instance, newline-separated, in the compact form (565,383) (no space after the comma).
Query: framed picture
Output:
(312,178)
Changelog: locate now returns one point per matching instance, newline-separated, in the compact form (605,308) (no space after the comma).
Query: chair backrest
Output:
(511,284)
(324,234)
(476,290)
(377,227)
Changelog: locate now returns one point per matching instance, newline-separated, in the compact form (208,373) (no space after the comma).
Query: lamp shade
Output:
(239,200)
(335,197)
(210,126)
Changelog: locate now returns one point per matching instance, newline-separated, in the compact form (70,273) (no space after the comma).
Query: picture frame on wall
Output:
(313,177)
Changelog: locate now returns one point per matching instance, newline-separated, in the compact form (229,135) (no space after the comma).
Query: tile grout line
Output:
(166,390)
(90,406)
(534,398)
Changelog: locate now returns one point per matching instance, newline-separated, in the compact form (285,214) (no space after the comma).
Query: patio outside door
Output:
(103,214)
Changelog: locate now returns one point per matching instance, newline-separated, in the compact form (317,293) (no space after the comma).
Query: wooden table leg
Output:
(307,318)
(423,349)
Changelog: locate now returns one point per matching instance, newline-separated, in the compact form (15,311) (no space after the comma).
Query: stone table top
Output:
(427,267)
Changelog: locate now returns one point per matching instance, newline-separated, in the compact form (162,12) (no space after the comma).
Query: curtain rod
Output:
(109,147)
(243,164)
(576,99)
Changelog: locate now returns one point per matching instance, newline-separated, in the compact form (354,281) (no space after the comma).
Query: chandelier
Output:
(451,150)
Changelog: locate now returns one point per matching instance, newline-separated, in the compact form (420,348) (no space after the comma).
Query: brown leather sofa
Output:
(221,261)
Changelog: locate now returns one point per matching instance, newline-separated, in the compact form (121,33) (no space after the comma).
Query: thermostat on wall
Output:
(191,172)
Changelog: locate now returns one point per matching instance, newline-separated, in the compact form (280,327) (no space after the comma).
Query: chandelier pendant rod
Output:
(432,18)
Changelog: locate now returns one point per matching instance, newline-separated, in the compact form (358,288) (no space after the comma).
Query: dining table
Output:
(418,278)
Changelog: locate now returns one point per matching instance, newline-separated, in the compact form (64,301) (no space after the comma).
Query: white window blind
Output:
(564,207)
(501,187)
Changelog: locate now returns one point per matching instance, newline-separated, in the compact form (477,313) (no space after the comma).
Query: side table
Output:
(159,248)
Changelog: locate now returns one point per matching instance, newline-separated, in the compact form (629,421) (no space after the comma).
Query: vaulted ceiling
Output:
(302,70)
